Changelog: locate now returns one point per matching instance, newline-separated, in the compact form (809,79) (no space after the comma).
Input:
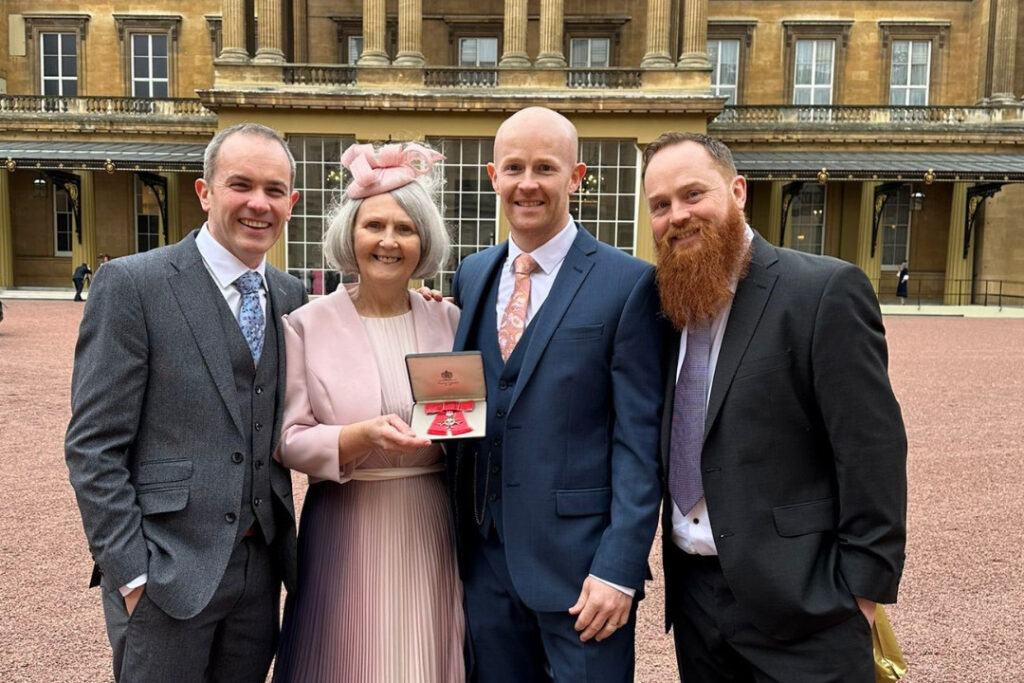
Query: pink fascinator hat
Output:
(375,171)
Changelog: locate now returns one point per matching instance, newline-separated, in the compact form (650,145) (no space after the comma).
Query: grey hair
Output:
(258,129)
(415,200)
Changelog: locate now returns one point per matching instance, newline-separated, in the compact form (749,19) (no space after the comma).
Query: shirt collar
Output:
(748,235)
(222,264)
(549,254)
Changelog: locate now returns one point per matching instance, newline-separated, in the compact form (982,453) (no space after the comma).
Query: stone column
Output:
(173,207)
(658,56)
(871,265)
(6,232)
(410,34)
(959,270)
(268,32)
(773,230)
(514,55)
(552,18)
(695,35)
(1004,52)
(232,31)
(85,252)
(374,28)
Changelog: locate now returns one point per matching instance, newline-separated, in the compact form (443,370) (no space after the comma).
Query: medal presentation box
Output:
(450,394)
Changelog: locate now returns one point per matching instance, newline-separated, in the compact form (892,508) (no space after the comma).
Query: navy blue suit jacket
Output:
(580,477)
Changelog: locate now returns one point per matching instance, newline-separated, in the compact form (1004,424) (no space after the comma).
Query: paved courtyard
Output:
(961,612)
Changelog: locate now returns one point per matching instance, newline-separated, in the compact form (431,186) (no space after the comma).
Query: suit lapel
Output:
(192,286)
(278,304)
(473,287)
(575,268)
(752,294)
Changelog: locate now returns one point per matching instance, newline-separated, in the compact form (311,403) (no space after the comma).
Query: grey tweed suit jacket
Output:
(155,424)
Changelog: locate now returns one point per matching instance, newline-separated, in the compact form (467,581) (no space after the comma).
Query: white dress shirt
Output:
(549,257)
(692,531)
(224,267)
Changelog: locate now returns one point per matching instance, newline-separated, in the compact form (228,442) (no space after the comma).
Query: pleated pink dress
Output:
(379,597)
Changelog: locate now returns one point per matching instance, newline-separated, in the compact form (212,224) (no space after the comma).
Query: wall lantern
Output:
(917,200)
(39,187)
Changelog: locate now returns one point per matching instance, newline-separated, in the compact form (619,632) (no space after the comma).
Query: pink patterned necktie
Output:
(513,320)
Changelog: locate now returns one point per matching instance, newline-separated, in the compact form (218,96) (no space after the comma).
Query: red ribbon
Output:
(449,417)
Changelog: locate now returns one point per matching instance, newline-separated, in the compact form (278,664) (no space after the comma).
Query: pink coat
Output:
(333,379)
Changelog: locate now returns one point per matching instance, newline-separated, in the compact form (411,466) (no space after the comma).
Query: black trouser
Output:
(79,283)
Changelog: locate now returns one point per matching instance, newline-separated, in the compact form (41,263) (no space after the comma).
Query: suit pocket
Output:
(583,502)
(163,472)
(805,518)
(578,333)
(162,500)
(758,366)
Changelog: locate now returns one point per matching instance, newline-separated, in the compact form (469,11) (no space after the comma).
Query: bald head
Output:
(560,136)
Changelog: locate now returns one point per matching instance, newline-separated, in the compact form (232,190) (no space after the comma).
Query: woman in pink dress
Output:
(378,595)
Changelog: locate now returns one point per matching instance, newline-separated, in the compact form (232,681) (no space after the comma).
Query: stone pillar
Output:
(773,230)
(657,56)
(6,232)
(173,207)
(871,265)
(268,32)
(552,18)
(695,35)
(410,34)
(85,252)
(1004,52)
(514,55)
(232,31)
(959,270)
(374,29)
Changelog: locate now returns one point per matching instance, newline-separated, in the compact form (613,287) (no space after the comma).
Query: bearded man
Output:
(784,449)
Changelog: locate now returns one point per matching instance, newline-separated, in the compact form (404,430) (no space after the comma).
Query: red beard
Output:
(694,282)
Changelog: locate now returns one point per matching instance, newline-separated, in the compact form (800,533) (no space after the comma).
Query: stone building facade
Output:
(870,131)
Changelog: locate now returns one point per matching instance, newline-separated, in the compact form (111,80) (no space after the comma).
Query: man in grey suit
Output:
(176,401)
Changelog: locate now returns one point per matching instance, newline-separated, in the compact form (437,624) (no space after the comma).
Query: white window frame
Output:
(353,49)
(908,87)
(150,81)
(60,78)
(718,88)
(478,41)
(800,221)
(897,207)
(814,87)
(587,44)
(67,212)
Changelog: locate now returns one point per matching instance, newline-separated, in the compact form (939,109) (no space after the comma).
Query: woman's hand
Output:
(387,433)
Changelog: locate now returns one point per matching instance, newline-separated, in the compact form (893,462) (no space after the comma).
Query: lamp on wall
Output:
(916,200)
(39,186)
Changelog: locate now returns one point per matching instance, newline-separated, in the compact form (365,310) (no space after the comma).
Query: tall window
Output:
(468,202)
(353,49)
(587,53)
(606,200)
(478,51)
(807,220)
(896,228)
(812,82)
(59,67)
(724,56)
(149,65)
(63,223)
(147,218)
(908,78)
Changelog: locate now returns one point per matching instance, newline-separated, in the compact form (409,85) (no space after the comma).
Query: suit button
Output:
(237,457)
(495,469)
(230,518)
(497,442)
(503,385)
(259,464)
(258,426)
(256,501)
(500,412)
(259,390)
(725,534)
(492,497)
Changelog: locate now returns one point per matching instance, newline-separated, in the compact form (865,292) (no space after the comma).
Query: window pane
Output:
(488,49)
(355,48)
(160,67)
(467,52)
(67,43)
(801,96)
(159,45)
(713,49)
(50,43)
(578,56)
(921,50)
(824,52)
(141,67)
(140,44)
(68,65)
(599,52)
(50,66)
(160,89)
(51,87)
(897,96)
(919,74)
(918,97)
(823,96)
(70,87)
(140,89)
(899,74)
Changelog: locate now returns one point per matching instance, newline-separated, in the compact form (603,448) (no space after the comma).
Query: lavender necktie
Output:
(250,317)
(689,406)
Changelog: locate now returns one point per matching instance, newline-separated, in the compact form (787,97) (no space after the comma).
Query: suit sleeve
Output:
(865,429)
(621,557)
(107,392)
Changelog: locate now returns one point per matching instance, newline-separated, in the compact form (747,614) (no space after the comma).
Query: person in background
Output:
(81,274)
(902,277)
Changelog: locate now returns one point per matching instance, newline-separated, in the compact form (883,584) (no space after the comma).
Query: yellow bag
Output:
(889,663)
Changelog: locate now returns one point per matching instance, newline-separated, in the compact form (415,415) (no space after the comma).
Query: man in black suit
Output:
(78,277)
(783,445)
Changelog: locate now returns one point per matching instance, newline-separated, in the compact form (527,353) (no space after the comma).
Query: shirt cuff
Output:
(631,592)
(139,580)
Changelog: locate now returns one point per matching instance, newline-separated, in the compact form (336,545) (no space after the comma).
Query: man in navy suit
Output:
(558,504)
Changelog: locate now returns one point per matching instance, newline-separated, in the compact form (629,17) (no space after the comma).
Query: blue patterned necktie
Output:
(685,483)
(250,317)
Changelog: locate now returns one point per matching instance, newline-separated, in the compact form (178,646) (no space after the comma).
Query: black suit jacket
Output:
(804,458)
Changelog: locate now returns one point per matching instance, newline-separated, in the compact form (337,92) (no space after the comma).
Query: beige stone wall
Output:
(192,214)
(32,231)
(999,245)
(115,213)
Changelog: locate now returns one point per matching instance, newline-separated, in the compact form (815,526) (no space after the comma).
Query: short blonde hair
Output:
(415,200)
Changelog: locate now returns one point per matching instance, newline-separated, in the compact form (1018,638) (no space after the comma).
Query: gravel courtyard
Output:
(961,612)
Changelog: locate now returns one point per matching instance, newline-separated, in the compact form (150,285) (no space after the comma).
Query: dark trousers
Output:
(79,283)
(514,644)
(233,639)
(716,643)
